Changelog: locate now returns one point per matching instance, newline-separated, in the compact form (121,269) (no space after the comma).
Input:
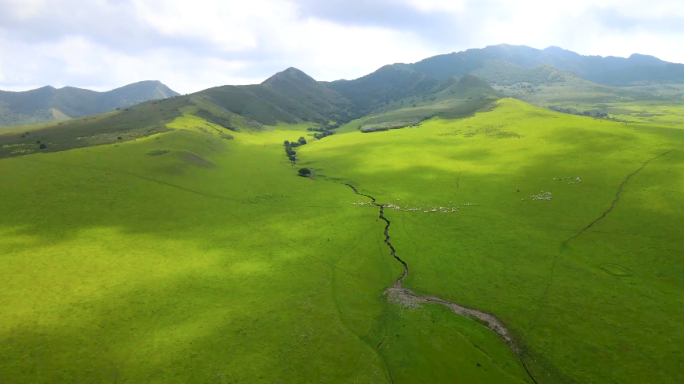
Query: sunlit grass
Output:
(512,254)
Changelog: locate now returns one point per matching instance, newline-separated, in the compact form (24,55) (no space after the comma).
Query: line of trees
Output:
(595,114)
(289,148)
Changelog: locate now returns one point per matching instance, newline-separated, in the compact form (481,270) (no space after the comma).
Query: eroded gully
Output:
(407,297)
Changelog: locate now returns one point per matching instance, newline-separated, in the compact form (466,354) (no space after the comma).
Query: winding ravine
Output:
(407,297)
(397,284)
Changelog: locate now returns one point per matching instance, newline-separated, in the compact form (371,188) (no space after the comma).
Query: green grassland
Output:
(597,305)
(194,253)
(186,257)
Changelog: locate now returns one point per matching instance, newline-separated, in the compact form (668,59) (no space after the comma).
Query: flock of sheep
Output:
(450,208)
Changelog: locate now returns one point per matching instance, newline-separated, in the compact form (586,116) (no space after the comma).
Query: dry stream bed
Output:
(408,298)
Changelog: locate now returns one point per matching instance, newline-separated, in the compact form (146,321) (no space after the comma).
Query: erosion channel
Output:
(407,297)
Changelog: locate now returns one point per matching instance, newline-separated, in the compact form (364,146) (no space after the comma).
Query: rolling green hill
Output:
(289,97)
(48,104)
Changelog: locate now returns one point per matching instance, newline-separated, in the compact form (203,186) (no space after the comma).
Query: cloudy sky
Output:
(191,45)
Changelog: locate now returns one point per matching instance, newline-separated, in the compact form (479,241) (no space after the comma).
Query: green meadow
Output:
(591,293)
(194,257)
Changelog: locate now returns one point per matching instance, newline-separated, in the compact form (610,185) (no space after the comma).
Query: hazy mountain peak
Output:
(43,104)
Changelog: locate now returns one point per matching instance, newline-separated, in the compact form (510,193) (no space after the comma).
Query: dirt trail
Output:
(408,298)
(617,196)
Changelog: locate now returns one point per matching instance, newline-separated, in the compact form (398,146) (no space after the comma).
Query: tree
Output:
(302,140)
(305,172)
(43,146)
(286,143)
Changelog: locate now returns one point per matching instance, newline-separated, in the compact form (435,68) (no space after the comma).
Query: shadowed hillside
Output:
(290,96)
(387,84)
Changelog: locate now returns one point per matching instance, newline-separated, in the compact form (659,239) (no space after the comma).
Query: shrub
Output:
(305,172)
(286,143)
(294,144)
(302,140)
(119,138)
(43,146)
(290,152)
(292,158)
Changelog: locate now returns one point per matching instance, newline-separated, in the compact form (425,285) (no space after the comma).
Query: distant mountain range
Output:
(49,104)
(616,71)
(455,84)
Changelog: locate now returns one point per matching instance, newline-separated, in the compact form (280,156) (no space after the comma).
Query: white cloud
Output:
(437,5)
(23,9)
(190,46)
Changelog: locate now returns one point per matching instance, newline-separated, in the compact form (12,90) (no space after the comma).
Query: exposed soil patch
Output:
(407,298)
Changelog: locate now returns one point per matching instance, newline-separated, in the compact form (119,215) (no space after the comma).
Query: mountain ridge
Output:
(48,104)
(637,69)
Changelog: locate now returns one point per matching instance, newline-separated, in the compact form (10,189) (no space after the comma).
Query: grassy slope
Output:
(211,263)
(128,124)
(603,307)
